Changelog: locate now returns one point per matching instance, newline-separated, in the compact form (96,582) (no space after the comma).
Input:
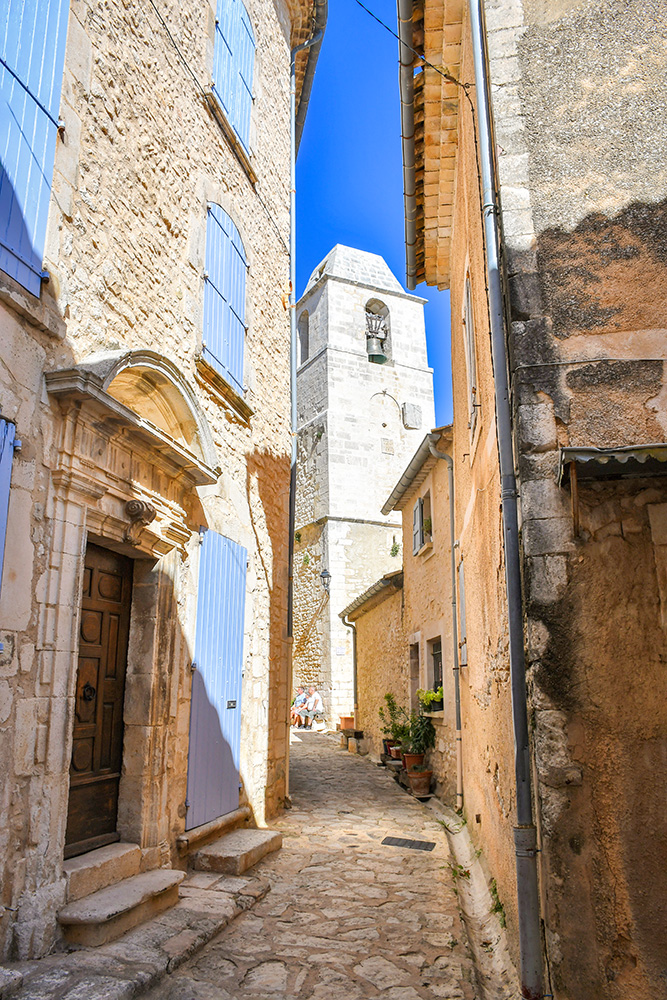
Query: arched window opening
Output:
(378,332)
(304,336)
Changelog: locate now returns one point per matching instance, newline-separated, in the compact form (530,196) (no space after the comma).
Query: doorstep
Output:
(139,959)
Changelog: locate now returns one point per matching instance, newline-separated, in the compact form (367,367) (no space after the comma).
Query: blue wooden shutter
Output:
(233,64)
(224,297)
(7,436)
(215,711)
(417,527)
(32,57)
(463,638)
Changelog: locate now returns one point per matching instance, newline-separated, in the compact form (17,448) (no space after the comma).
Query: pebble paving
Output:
(347,918)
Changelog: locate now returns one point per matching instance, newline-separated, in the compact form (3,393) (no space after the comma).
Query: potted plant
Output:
(431,700)
(420,782)
(421,739)
(396,725)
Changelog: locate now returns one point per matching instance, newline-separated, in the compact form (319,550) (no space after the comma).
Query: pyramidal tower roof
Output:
(356,265)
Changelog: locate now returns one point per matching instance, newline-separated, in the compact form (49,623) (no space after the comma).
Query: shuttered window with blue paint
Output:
(7,440)
(233,64)
(224,298)
(32,57)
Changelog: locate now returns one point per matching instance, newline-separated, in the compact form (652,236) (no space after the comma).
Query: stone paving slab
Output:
(347,918)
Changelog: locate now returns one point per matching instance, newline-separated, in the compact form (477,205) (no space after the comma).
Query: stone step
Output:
(96,870)
(237,851)
(110,912)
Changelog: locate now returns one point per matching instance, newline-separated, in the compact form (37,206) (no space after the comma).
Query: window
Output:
(233,63)
(422,525)
(303,336)
(435,656)
(32,58)
(7,444)
(224,297)
(471,357)
(463,636)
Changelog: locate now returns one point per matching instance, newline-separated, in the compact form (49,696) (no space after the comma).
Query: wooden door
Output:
(97,747)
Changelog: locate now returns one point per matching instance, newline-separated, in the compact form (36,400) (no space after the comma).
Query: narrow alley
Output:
(348,917)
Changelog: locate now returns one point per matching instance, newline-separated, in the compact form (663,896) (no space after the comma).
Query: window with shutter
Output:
(471,356)
(463,636)
(224,298)
(417,526)
(32,57)
(233,64)
(7,438)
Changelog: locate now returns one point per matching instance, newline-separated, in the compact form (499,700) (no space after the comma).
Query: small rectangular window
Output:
(471,356)
(422,524)
(436,662)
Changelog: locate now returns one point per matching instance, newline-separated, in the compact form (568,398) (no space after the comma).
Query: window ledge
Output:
(41,313)
(230,135)
(219,387)
(426,550)
(435,715)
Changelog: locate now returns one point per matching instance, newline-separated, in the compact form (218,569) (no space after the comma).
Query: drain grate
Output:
(414,845)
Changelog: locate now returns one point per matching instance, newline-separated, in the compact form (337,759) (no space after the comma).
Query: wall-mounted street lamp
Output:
(325,577)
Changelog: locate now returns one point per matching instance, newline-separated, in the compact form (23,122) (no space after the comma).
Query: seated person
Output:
(299,702)
(314,706)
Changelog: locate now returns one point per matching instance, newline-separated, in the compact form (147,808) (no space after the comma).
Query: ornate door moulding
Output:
(134,447)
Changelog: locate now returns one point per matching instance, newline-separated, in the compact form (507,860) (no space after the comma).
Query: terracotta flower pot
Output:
(347,722)
(420,783)
(411,760)
(395,751)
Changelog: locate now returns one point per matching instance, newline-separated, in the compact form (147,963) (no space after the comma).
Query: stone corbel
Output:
(140,513)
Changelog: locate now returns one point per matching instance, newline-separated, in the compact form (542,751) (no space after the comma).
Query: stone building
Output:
(404,630)
(364,393)
(580,200)
(145,369)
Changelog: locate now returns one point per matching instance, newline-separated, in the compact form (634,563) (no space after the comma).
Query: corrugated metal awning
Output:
(628,462)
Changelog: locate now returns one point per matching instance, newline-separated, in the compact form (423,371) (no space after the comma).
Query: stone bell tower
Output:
(365,402)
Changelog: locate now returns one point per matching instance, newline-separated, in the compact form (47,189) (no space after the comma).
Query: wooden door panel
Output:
(98,717)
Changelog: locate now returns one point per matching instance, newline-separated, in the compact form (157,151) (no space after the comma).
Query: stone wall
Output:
(139,158)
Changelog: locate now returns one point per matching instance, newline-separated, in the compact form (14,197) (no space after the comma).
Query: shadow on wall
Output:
(267,478)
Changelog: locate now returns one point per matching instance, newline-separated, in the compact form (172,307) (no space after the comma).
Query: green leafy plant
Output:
(395,720)
(458,871)
(428,526)
(422,734)
(306,559)
(497,907)
(395,549)
(297,536)
(427,696)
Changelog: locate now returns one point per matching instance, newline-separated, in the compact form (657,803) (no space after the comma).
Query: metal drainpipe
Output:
(525,835)
(455,627)
(354,668)
(406,81)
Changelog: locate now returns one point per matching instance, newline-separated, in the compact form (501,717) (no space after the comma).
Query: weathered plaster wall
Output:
(583,189)
(139,159)
(382,664)
(428,615)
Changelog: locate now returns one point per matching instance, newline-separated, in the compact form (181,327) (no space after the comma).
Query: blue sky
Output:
(349,170)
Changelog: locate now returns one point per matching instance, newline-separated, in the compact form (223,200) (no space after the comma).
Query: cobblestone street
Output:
(347,918)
